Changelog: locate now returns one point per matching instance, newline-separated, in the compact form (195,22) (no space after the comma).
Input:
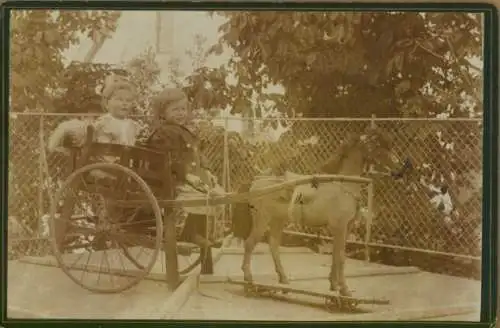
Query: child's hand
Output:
(194,180)
(67,134)
(73,138)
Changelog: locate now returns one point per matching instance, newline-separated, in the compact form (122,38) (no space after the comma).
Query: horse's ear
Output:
(373,126)
(370,131)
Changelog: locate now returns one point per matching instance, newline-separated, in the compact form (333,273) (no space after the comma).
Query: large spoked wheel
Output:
(106,227)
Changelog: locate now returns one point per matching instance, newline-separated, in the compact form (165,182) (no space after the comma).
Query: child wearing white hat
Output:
(118,99)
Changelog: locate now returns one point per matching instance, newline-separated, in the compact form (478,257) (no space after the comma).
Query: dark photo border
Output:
(490,147)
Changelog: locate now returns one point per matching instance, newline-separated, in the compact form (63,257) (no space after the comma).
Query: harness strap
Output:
(300,201)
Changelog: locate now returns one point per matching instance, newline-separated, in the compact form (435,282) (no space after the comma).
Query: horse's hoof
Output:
(342,291)
(284,281)
(247,278)
(345,292)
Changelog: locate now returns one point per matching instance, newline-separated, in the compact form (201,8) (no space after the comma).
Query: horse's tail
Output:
(242,220)
(296,196)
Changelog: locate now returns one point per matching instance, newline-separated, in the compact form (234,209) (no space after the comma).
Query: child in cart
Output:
(172,105)
(118,98)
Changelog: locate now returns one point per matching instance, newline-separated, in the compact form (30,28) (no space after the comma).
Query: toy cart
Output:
(108,221)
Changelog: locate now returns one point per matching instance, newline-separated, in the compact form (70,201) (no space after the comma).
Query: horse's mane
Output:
(334,163)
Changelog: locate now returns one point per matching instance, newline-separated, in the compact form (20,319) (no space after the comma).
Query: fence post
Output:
(372,121)
(226,171)
(369,221)
(40,174)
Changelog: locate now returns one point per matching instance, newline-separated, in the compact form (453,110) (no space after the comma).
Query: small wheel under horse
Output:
(250,290)
(332,303)
(348,304)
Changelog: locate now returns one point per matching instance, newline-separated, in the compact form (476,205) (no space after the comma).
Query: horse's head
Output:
(372,148)
(377,150)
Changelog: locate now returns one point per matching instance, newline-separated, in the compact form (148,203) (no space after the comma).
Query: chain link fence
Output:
(443,153)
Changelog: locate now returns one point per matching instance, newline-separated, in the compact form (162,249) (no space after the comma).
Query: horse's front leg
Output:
(340,245)
(337,277)
(258,230)
(276,226)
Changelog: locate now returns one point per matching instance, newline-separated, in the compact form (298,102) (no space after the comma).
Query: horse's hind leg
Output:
(258,230)
(276,226)
(333,268)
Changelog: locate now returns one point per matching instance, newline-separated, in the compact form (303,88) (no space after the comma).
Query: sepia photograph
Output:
(292,165)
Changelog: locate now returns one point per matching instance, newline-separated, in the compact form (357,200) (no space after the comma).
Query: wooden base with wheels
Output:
(333,301)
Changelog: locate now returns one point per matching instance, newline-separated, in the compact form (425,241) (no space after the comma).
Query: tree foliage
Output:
(38,41)
(144,72)
(39,81)
(349,64)
(80,86)
(83,82)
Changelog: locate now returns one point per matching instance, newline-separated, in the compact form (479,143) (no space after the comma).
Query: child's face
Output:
(120,103)
(178,112)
